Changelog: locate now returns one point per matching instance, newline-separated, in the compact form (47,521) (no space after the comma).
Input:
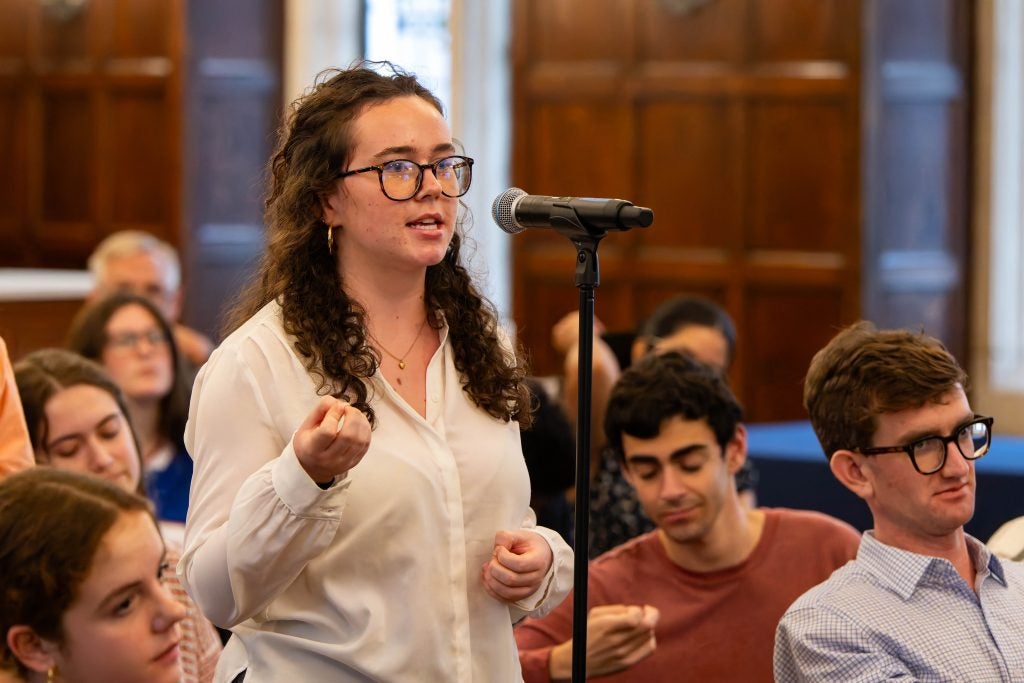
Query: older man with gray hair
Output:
(138,262)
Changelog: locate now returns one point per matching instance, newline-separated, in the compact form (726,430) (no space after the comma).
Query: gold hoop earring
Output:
(330,239)
(51,674)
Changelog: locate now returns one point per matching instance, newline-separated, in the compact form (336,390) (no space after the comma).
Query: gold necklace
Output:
(401,361)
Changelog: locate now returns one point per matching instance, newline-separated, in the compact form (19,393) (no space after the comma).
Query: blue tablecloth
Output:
(794,473)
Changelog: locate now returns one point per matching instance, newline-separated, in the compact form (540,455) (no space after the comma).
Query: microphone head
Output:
(503,210)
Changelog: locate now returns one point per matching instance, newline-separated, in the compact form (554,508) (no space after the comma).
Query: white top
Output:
(377,577)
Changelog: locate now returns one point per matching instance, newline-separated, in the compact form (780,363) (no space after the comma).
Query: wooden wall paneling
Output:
(581,148)
(142,175)
(690,173)
(739,121)
(92,132)
(916,167)
(705,35)
(143,29)
(13,133)
(234,105)
(13,129)
(559,32)
(70,172)
(786,325)
(800,174)
(29,325)
(68,36)
(95,112)
(803,32)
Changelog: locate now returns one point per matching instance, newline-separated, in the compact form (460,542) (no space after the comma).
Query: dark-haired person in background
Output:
(128,336)
(698,598)
(689,324)
(923,601)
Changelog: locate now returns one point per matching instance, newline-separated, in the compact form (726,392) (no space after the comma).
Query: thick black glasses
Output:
(928,455)
(401,179)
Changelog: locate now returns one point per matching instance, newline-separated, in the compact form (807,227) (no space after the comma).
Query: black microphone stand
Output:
(585,234)
(587,278)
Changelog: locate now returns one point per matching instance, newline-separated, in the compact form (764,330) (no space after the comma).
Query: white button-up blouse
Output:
(377,577)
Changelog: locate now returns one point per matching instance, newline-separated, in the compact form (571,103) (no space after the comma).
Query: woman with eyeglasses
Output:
(129,337)
(81,562)
(77,422)
(360,505)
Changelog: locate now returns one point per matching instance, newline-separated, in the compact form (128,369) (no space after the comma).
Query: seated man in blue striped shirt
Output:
(923,600)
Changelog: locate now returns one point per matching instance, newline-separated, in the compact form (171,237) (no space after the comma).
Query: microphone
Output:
(514,211)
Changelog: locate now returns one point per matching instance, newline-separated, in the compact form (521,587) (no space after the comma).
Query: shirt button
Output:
(434,399)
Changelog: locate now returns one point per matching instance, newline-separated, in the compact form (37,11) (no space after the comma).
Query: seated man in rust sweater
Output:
(699,597)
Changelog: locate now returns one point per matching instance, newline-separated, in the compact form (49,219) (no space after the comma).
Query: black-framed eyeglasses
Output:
(401,179)
(928,455)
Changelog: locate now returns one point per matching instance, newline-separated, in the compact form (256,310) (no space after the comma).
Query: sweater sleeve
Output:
(15,449)
(535,638)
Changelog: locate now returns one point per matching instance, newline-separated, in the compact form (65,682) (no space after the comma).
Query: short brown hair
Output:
(865,372)
(51,524)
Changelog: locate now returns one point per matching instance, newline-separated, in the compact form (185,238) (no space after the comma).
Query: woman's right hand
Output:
(332,439)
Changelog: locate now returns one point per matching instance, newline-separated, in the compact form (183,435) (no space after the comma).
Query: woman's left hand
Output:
(517,566)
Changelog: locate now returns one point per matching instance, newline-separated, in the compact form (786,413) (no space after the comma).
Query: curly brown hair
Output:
(298,270)
(865,372)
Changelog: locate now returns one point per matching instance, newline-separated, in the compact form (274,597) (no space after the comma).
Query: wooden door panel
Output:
(94,140)
(800,175)
(917,198)
(580,149)
(14,31)
(803,31)
(140,28)
(65,38)
(705,34)
(738,123)
(917,84)
(12,137)
(140,167)
(68,156)
(557,31)
(785,327)
(233,109)
(688,156)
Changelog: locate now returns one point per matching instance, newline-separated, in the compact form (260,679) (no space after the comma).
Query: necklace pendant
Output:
(401,365)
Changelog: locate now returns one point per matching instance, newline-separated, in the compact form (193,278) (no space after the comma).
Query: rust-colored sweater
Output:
(716,626)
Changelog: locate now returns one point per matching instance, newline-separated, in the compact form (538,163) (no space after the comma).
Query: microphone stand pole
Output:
(585,234)
(587,278)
